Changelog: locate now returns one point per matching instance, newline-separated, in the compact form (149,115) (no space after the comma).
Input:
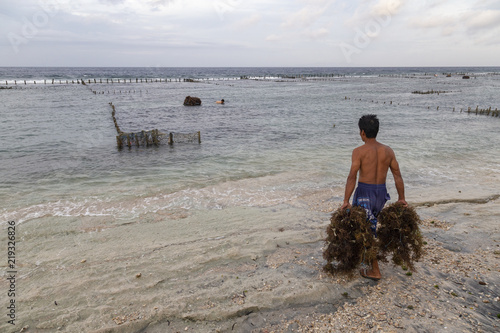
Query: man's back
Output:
(375,159)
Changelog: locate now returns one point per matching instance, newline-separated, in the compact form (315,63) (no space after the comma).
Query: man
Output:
(372,160)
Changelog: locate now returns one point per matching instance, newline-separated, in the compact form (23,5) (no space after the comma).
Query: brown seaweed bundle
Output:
(349,241)
(398,233)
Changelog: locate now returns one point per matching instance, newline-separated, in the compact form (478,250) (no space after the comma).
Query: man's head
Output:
(369,124)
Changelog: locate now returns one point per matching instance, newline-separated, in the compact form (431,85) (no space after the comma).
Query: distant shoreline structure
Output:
(11,75)
(193,79)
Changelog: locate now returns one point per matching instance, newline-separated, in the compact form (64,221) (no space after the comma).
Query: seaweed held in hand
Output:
(398,233)
(349,241)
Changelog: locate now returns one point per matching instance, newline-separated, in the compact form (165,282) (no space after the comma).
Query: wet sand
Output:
(259,271)
(455,287)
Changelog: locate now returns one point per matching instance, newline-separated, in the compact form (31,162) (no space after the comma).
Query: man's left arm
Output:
(398,180)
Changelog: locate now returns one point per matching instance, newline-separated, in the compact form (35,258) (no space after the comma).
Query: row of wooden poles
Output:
(310,76)
(151,80)
(477,110)
(434,74)
(114,92)
(423,74)
(429,92)
(148,138)
(113,113)
(107,81)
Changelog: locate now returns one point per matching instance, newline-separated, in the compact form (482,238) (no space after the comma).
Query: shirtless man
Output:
(373,160)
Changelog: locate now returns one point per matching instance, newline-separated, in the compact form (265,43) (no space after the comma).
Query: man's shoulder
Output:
(389,149)
(384,146)
(370,148)
(358,150)
(388,153)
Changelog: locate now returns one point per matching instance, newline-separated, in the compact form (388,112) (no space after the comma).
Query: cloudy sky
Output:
(199,33)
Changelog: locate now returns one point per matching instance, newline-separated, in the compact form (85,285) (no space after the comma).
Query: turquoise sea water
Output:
(59,154)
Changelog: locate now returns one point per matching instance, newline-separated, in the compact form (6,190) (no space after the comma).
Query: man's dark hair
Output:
(369,124)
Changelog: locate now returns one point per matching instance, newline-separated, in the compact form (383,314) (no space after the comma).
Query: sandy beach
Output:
(275,286)
(452,291)
(455,287)
(264,277)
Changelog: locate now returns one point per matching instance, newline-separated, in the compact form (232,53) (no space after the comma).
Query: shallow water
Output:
(203,222)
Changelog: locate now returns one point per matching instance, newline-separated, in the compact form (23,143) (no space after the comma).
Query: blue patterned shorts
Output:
(372,197)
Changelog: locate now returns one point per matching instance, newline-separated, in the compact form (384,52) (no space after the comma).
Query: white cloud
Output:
(257,32)
(386,7)
(441,21)
(274,38)
(472,22)
(316,34)
(310,22)
(478,20)
(249,22)
(368,10)
(305,17)
(112,2)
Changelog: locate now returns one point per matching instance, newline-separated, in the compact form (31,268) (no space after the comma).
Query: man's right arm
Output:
(351,179)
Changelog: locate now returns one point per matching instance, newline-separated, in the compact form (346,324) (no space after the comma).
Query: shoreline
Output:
(260,271)
(453,289)
(448,292)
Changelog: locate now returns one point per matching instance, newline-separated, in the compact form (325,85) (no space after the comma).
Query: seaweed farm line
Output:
(154,138)
(159,80)
(150,138)
(477,111)
(285,77)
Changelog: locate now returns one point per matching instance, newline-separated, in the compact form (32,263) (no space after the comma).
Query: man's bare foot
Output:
(373,273)
(370,274)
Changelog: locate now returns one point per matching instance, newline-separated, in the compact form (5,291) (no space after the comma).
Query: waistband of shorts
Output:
(372,186)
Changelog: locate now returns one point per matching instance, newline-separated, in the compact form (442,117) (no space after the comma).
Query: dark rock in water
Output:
(192,101)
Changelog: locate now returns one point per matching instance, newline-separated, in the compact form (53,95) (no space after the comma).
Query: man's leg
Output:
(377,202)
(372,273)
(372,198)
